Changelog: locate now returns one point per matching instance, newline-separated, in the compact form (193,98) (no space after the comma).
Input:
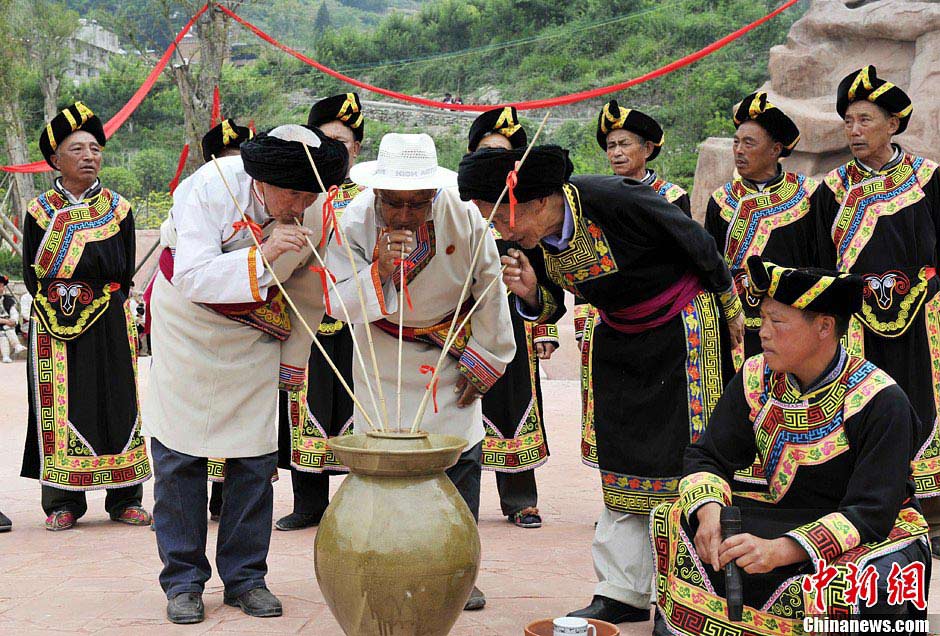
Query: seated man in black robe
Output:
(835,436)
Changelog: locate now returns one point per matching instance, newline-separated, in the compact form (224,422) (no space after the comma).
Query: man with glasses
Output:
(412,218)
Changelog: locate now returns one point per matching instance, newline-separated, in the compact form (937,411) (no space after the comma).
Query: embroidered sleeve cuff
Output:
(827,537)
(291,378)
(377,286)
(253,261)
(582,313)
(545,333)
(478,371)
(698,489)
(730,303)
(549,306)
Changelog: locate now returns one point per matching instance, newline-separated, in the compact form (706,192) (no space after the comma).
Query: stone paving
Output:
(101,577)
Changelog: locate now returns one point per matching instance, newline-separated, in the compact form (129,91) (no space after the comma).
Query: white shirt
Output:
(206,267)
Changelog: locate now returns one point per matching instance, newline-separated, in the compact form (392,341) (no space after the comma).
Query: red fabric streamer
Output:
(251,127)
(530,105)
(407,266)
(323,272)
(248,224)
(122,115)
(512,180)
(427,368)
(216,107)
(184,155)
(329,214)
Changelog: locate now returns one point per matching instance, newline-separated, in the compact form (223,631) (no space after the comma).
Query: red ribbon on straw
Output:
(329,214)
(184,155)
(512,180)
(322,271)
(249,225)
(427,368)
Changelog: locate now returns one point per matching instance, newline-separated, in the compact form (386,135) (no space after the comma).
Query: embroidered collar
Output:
(560,241)
(71,198)
(650,178)
(761,186)
(895,160)
(832,372)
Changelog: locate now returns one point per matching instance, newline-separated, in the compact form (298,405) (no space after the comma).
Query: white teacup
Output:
(569,625)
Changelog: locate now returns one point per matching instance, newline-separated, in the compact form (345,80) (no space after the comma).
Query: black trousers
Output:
(311,492)
(179,515)
(115,501)
(517,491)
(466,474)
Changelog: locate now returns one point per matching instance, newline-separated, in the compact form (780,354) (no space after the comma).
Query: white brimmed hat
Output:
(406,162)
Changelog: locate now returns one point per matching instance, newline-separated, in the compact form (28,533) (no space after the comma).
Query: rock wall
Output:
(901,38)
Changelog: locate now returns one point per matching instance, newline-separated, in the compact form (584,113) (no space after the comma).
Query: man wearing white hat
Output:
(413,210)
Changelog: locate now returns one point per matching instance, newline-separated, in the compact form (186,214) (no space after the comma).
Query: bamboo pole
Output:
(352,334)
(287,297)
(466,285)
(401,322)
(362,302)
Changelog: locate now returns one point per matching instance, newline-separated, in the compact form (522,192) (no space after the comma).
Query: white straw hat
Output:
(406,162)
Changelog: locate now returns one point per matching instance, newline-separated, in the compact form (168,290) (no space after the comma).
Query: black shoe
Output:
(298,521)
(934,546)
(476,601)
(5,524)
(607,609)
(186,609)
(528,518)
(258,602)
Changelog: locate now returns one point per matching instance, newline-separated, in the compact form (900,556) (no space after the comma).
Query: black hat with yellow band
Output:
(72,119)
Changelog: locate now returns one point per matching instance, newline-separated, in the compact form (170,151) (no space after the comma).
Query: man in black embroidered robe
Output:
(666,299)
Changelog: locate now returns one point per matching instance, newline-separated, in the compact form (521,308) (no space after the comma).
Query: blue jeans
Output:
(179,512)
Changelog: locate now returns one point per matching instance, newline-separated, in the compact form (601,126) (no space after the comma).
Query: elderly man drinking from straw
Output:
(223,342)
(413,242)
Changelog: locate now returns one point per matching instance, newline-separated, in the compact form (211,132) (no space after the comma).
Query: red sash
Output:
(637,318)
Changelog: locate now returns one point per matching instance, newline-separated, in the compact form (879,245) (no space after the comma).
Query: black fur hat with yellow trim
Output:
(613,117)
(864,84)
(226,134)
(809,289)
(503,121)
(345,108)
(781,128)
(72,119)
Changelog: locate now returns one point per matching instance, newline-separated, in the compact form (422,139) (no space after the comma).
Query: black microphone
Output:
(734,590)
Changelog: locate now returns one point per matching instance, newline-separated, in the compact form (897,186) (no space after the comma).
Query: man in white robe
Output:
(413,209)
(223,340)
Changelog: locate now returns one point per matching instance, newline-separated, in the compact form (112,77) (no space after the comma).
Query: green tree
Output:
(322,22)
(155,167)
(121,180)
